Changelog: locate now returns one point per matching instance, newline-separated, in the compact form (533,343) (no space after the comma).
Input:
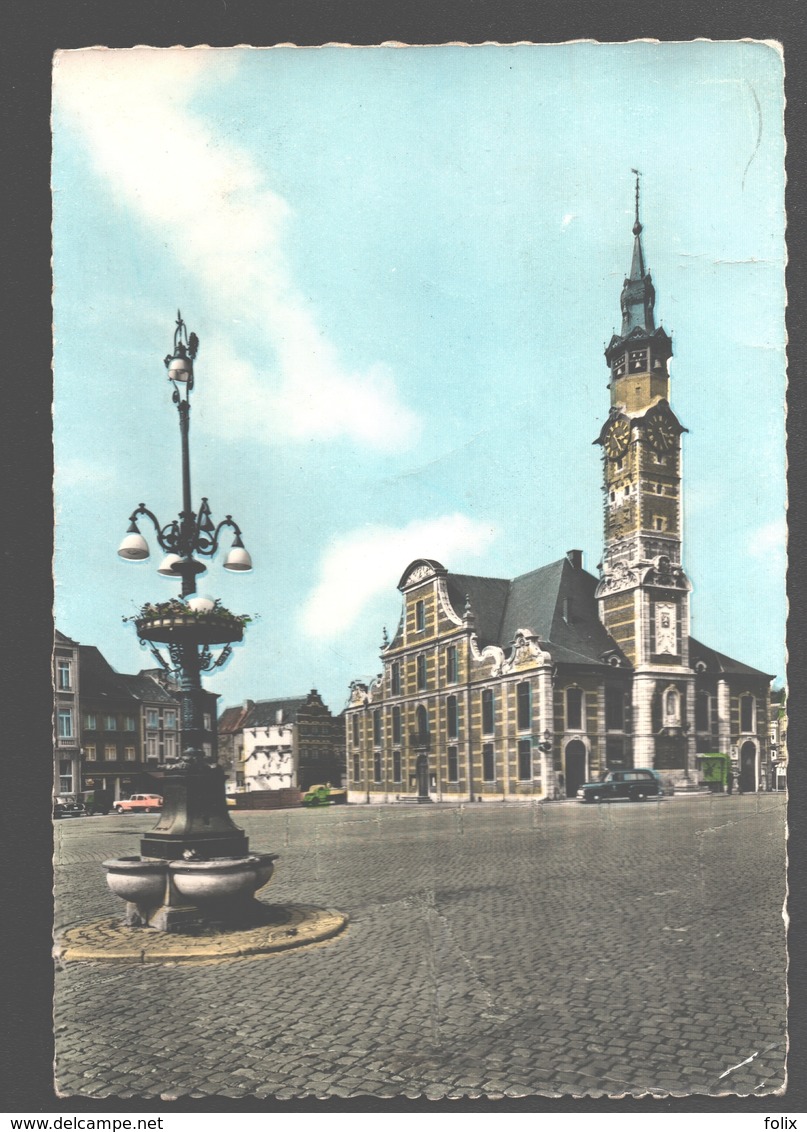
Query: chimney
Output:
(576,558)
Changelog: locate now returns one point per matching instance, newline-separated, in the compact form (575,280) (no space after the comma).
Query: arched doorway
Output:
(575,766)
(748,767)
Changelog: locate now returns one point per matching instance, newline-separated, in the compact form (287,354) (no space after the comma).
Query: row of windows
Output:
(420,674)
(525,763)
(169,749)
(575,714)
(129,723)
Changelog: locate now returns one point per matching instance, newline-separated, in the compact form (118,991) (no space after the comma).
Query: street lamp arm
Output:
(168,536)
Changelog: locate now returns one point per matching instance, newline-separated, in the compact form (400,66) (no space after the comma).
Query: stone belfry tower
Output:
(643,593)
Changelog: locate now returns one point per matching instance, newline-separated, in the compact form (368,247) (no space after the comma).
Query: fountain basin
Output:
(223,878)
(137,880)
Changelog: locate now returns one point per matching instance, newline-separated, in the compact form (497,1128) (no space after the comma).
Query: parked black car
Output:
(63,808)
(633,785)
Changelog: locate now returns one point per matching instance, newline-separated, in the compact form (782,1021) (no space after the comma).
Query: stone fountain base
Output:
(284,927)
(188,895)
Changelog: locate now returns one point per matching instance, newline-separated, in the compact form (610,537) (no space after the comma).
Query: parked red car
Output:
(139,803)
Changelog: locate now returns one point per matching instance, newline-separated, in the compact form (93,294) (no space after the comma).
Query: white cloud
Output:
(768,540)
(368,561)
(211,206)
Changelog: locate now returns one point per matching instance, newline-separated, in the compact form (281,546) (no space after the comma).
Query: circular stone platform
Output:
(110,940)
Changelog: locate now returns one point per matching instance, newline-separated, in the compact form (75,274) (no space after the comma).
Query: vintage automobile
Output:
(325,795)
(139,803)
(67,808)
(629,785)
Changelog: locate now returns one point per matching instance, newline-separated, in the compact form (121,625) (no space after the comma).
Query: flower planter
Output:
(190,629)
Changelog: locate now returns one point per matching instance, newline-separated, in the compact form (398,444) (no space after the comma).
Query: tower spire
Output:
(638,295)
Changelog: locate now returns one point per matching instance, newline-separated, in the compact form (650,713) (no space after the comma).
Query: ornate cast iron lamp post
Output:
(194,823)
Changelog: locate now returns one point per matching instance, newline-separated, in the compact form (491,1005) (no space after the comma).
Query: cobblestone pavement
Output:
(491,950)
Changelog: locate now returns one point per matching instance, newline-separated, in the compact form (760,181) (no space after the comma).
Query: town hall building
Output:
(496,688)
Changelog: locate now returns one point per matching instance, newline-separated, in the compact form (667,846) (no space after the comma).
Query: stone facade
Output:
(66,718)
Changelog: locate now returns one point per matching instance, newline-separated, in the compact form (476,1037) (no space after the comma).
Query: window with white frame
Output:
(170,746)
(64,674)
(152,747)
(90,754)
(129,754)
(129,723)
(90,721)
(169,718)
(207,719)
(152,718)
(110,753)
(110,723)
(65,723)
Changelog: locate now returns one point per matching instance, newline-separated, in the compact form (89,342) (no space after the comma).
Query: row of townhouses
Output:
(115,731)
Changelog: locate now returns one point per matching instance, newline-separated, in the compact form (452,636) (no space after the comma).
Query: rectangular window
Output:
(89,721)
(574,709)
(90,754)
(524,700)
(129,754)
(396,725)
(152,747)
(207,720)
(152,718)
(614,709)
(356,767)
(169,718)
(170,746)
(65,784)
(207,751)
(396,766)
(421,671)
(452,721)
(377,727)
(420,616)
(702,711)
(377,766)
(110,753)
(110,723)
(487,711)
(488,763)
(355,730)
(395,678)
(746,713)
(453,765)
(129,723)
(64,675)
(525,760)
(451,664)
(65,723)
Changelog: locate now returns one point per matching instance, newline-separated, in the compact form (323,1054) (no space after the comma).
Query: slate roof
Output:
(556,602)
(719,662)
(264,712)
(232,718)
(98,678)
(146,689)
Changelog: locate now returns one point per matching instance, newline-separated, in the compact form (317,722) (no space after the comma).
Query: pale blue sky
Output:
(403,266)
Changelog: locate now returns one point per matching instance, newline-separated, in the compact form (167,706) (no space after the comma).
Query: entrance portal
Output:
(422,770)
(748,767)
(575,767)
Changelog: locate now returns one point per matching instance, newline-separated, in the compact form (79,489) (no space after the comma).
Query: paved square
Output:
(491,950)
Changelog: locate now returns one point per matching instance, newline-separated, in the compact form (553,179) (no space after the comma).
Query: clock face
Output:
(618,438)
(660,432)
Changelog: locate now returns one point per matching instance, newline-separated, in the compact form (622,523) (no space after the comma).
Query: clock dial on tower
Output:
(660,431)
(617,438)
